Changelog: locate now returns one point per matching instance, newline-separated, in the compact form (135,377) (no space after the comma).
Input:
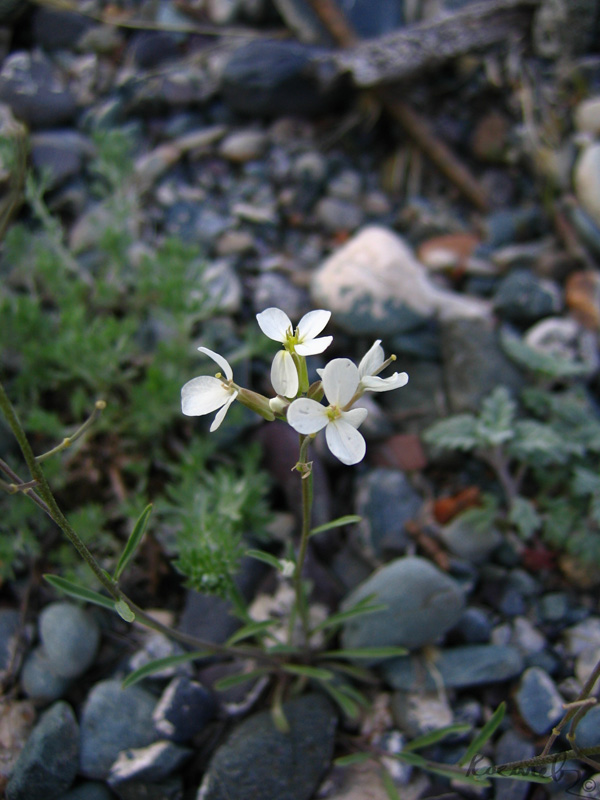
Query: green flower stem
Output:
(53,510)
(544,760)
(99,407)
(303,466)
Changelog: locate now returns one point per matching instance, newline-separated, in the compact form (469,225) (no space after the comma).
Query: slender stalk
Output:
(99,407)
(305,468)
(53,510)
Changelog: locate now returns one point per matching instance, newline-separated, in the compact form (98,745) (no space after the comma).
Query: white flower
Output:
(205,394)
(372,363)
(340,380)
(276,324)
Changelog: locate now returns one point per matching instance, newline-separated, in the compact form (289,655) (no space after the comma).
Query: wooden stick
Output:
(413,123)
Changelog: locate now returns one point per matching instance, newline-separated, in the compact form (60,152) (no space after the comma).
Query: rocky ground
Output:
(442,237)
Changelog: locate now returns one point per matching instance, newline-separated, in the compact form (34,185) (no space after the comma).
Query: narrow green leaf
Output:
(266,558)
(348,519)
(389,785)
(283,649)
(134,541)
(236,680)
(80,592)
(279,719)
(252,629)
(515,775)
(353,758)
(484,734)
(439,769)
(366,652)
(341,616)
(436,736)
(308,672)
(158,664)
(448,772)
(124,611)
(356,673)
(348,706)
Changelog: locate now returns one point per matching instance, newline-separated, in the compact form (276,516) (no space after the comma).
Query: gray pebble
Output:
(539,701)
(38,679)
(48,763)
(458,667)
(70,637)
(422,603)
(113,719)
(258,762)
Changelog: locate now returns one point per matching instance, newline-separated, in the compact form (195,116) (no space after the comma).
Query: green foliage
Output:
(553,367)
(547,459)
(93,315)
(211,512)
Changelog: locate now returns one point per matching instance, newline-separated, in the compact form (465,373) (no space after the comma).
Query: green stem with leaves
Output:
(48,503)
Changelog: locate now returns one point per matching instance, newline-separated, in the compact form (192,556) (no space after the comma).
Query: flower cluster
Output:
(341,382)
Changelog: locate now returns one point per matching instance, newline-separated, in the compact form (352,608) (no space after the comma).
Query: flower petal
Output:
(372,383)
(307,416)
(313,346)
(221,412)
(284,375)
(312,324)
(274,323)
(355,417)
(203,395)
(222,362)
(372,359)
(340,381)
(345,442)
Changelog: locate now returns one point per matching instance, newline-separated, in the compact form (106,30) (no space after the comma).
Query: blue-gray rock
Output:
(90,790)
(518,224)
(538,700)
(334,214)
(113,719)
(273,289)
(151,48)
(273,78)
(386,501)
(48,763)
(423,400)
(511,747)
(9,629)
(588,730)
(258,762)
(370,19)
(467,538)
(183,710)
(35,90)
(553,606)
(474,363)
(422,603)
(422,342)
(458,667)
(474,626)
(70,636)
(522,297)
(59,154)
(38,679)
(58,30)
(149,764)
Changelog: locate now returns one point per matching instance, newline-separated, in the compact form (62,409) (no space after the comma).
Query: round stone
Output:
(70,637)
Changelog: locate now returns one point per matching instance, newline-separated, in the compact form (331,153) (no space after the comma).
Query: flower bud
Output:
(278,404)
(256,402)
